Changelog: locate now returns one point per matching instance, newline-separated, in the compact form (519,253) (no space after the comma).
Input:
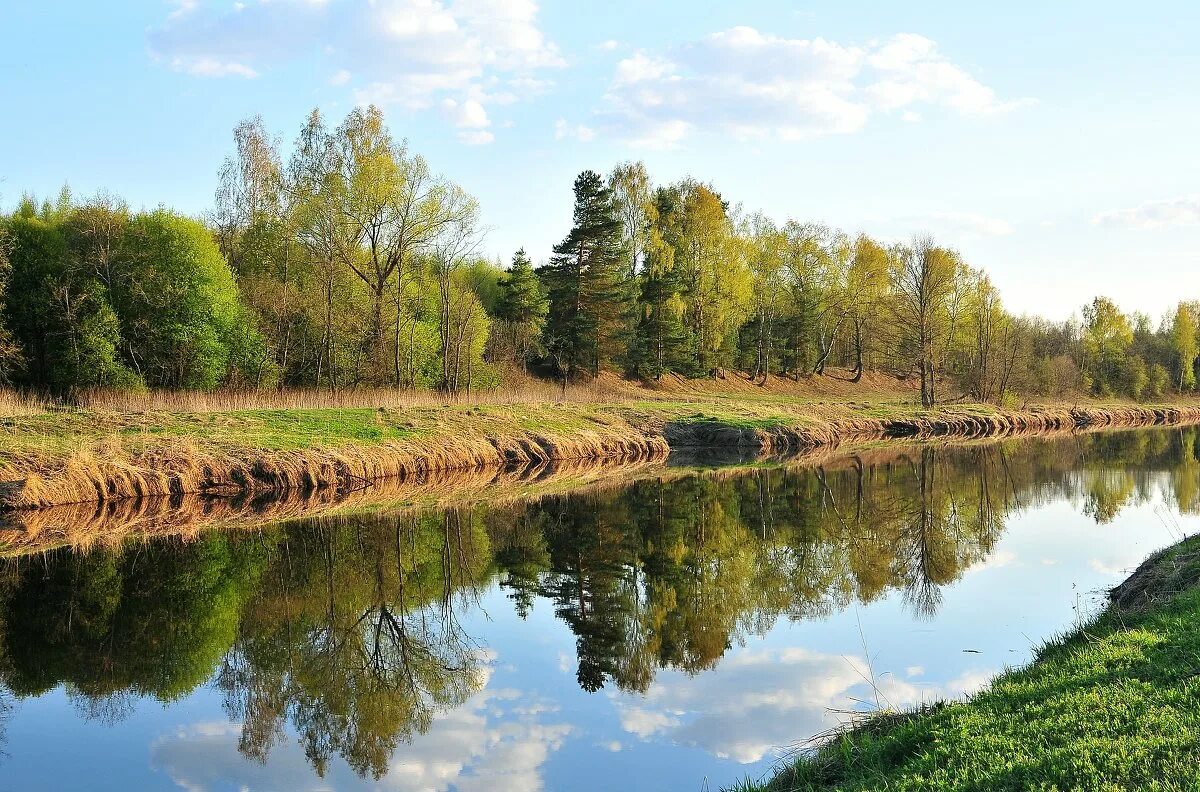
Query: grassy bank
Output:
(106,452)
(1112,705)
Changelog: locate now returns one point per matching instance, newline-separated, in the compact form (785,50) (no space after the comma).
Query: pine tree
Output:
(522,305)
(584,326)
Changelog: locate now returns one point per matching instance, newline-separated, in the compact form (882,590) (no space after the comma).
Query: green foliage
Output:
(584,286)
(350,263)
(180,307)
(1107,335)
(59,313)
(1184,341)
(1159,379)
(1137,377)
(522,306)
(155,622)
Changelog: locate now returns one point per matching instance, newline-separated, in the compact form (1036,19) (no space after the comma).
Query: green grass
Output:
(1114,705)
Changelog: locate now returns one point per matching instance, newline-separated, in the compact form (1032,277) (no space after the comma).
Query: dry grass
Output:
(14,403)
(606,389)
(523,391)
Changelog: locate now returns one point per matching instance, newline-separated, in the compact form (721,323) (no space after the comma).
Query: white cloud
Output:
(757,701)
(211,67)
(1172,213)
(564,130)
(968,225)
(469,113)
(994,560)
(752,85)
(909,69)
(479,746)
(608,45)
(409,53)
(476,137)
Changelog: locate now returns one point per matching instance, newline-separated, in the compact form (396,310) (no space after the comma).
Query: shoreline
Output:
(146,455)
(1109,704)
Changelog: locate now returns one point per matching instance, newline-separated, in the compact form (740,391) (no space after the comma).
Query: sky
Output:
(1054,144)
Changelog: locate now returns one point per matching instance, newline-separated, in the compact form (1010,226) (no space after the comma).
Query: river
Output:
(679,630)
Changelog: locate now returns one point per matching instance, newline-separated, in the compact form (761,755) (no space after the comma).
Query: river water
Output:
(678,631)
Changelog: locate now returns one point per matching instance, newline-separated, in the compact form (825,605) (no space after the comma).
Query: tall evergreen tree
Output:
(583,281)
(522,305)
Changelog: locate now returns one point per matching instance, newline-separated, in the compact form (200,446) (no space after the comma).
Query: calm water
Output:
(684,628)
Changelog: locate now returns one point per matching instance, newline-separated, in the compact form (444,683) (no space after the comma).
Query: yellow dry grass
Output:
(229,444)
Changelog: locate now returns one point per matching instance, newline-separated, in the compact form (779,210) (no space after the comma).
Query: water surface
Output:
(683,628)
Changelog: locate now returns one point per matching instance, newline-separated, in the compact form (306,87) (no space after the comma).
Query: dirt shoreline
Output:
(101,475)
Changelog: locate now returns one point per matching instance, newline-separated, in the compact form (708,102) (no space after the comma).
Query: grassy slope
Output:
(734,402)
(62,456)
(1114,705)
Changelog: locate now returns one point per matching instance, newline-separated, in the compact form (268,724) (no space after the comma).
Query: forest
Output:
(349,262)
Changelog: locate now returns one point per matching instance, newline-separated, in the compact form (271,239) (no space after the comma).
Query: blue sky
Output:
(1053,143)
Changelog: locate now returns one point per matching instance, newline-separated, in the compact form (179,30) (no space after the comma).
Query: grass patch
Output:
(1114,705)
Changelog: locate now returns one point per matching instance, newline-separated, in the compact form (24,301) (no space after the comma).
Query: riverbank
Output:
(70,456)
(79,457)
(1114,704)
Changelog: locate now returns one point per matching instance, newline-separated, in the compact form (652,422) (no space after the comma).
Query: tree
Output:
(178,303)
(59,313)
(583,284)
(522,306)
(1107,335)
(923,279)
(249,188)
(1183,339)
(315,199)
(633,205)
(866,291)
(10,351)
(457,239)
(714,276)
(766,253)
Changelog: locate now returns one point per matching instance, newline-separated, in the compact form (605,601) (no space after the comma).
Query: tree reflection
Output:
(353,639)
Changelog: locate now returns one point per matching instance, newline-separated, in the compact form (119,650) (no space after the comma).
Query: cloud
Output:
(476,137)
(564,130)
(408,53)
(482,745)
(608,45)
(211,67)
(757,701)
(1172,213)
(960,226)
(471,118)
(756,85)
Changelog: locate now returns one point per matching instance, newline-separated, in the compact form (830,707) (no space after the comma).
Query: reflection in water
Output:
(344,631)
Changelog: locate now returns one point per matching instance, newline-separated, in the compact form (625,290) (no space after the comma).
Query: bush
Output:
(1159,379)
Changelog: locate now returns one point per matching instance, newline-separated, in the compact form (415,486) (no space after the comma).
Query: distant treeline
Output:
(350,263)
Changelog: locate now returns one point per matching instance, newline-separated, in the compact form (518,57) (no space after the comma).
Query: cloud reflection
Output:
(492,742)
(757,701)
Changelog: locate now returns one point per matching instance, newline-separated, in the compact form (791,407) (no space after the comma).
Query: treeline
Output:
(349,263)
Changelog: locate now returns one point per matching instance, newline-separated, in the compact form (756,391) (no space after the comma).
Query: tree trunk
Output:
(858,351)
